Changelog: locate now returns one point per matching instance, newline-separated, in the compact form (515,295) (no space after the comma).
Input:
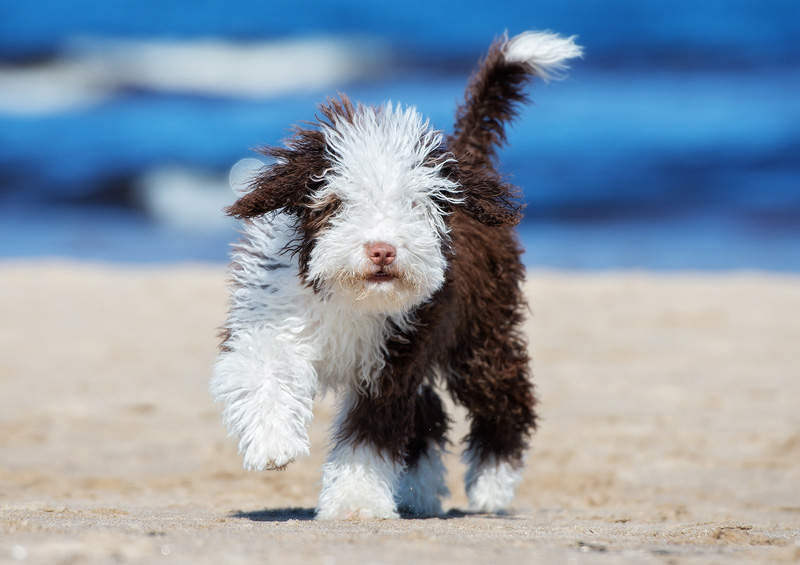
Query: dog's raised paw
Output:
(267,455)
(273,466)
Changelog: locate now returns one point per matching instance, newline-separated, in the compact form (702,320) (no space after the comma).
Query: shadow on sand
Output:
(276,514)
(286,514)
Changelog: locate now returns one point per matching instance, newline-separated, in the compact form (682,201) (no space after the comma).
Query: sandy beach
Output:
(670,429)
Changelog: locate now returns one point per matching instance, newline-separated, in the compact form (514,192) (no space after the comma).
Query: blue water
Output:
(674,144)
(685,33)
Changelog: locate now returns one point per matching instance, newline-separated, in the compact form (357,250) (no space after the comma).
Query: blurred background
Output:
(675,143)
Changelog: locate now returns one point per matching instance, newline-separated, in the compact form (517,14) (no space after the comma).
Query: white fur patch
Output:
(358,482)
(391,190)
(267,387)
(490,484)
(546,53)
(422,487)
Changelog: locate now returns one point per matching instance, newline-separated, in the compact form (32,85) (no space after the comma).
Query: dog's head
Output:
(373,191)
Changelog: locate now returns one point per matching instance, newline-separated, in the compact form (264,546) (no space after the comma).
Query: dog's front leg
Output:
(267,383)
(361,474)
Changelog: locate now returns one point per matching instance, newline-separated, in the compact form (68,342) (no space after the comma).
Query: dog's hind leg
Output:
(422,485)
(491,381)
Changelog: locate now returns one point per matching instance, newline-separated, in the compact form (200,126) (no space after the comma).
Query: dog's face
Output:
(383,247)
(372,190)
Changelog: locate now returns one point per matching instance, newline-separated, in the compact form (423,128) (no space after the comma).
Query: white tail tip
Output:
(545,52)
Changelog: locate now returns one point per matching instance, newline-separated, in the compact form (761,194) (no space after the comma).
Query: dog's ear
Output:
(271,189)
(288,183)
(486,197)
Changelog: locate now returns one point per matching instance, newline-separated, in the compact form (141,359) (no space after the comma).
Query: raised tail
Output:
(498,86)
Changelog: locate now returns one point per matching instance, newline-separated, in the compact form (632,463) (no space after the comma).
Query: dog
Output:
(379,260)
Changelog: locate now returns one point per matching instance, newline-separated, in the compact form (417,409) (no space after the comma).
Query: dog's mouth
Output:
(380,276)
(380,289)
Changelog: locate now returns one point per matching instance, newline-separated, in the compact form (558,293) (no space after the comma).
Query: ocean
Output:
(674,144)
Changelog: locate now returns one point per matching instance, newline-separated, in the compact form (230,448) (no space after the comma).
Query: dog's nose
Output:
(381,253)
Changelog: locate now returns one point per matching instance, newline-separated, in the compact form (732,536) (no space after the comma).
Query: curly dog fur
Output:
(379,259)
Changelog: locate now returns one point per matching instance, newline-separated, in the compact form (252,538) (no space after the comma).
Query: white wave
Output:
(186,199)
(54,87)
(93,68)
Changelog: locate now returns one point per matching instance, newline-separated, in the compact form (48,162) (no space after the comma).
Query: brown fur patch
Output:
(494,91)
(430,425)
(224,335)
(313,219)
(487,198)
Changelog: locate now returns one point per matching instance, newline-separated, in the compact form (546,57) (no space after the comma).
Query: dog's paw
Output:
(267,402)
(273,466)
(356,500)
(357,484)
(491,485)
(422,486)
(273,451)
(350,513)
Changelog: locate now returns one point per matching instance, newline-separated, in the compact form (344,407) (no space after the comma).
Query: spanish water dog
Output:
(379,261)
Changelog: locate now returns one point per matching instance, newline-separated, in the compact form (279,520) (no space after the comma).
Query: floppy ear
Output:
(486,197)
(288,183)
(271,189)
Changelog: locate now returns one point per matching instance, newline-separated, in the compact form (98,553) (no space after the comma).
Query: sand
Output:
(670,429)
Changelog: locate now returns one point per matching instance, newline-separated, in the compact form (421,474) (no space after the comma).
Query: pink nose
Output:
(381,253)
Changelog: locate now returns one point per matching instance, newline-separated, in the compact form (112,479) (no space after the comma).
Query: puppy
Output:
(378,259)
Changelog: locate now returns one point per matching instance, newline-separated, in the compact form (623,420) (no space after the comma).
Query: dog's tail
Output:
(498,86)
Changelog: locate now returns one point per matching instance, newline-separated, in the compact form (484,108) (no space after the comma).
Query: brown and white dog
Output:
(378,258)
